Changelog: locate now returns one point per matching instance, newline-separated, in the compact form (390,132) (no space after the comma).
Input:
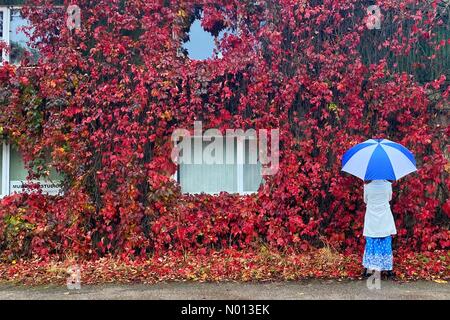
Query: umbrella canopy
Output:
(379,159)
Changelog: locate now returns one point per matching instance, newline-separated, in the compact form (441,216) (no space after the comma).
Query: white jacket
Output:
(378,222)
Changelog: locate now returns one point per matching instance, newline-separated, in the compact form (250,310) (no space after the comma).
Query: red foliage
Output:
(105,99)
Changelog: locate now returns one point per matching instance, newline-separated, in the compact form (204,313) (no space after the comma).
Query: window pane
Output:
(17,169)
(1,168)
(19,39)
(209,178)
(252,167)
(1,24)
(18,175)
(1,32)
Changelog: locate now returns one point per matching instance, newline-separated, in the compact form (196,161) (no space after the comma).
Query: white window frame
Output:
(6,30)
(5,169)
(4,147)
(240,157)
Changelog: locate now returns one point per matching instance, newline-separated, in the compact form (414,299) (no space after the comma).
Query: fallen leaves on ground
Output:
(226,265)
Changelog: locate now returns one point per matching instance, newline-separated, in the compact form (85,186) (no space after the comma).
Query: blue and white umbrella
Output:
(379,159)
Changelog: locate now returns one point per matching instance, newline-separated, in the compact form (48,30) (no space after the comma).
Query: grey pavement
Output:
(308,289)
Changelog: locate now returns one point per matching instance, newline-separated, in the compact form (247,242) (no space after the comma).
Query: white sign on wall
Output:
(50,188)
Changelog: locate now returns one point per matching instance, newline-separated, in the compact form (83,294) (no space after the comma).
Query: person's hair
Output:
(369,181)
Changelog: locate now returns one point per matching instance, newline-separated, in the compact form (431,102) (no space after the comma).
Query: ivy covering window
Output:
(2,30)
(19,39)
(201,44)
(13,174)
(14,32)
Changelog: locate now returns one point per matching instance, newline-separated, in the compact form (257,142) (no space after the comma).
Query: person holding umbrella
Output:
(378,162)
(379,226)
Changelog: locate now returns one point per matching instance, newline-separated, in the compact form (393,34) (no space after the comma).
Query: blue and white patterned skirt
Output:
(378,254)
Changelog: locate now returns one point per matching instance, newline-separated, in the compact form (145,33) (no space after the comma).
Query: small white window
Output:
(4,34)
(18,176)
(235,176)
(4,159)
(13,175)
